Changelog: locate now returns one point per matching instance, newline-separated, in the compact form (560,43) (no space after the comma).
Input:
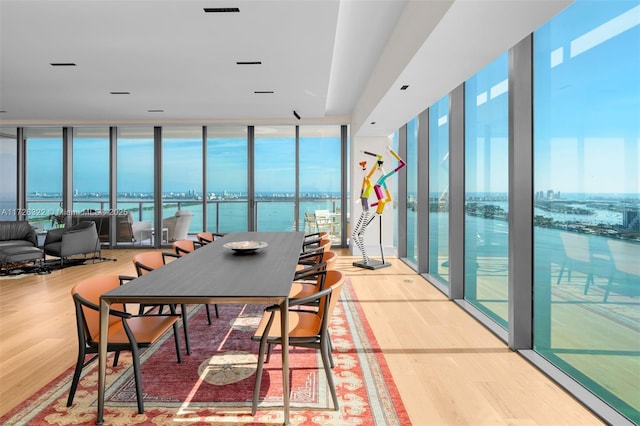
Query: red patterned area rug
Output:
(214,384)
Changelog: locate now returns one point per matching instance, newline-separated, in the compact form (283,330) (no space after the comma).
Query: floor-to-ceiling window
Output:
(486,190)
(44,177)
(320,180)
(587,198)
(227,179)
(439,190)
(275,178)
(90,169)
(392,186)
(8,173)
(135,181)
(412,190)
(182,181)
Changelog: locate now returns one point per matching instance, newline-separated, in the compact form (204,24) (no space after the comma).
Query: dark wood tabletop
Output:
(215,274)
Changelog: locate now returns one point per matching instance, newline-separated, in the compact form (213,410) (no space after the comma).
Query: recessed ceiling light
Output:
(248,62)
(221,9)
(120,93)
(262,92)
(62,64)
(405,87)
(155,110)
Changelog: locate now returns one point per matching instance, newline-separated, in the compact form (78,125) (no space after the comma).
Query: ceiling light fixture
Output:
(155,110)
(262,92)
(373,122)
(296,115)
(120,93)
(405,87)
(221,9)
(248,62)
(62,64)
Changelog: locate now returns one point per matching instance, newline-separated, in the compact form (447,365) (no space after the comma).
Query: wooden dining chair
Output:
(148,261)
(208,237)
(126,332)
(317,256)
(184,247)
(308,329)
(314,281)
(311,240)
(324,243)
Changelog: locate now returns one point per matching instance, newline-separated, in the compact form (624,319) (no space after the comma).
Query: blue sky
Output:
(586,113)
(227,164)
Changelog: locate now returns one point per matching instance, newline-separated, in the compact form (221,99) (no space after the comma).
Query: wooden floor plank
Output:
(449,369)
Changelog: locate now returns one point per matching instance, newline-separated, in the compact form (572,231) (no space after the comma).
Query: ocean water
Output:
(223,215)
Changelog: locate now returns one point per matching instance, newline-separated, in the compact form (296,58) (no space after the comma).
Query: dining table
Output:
(228,270)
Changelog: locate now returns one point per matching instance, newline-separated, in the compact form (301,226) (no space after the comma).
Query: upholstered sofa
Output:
(18,243)
(79,239)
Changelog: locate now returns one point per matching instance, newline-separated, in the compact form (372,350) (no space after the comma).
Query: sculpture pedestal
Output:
(372,264)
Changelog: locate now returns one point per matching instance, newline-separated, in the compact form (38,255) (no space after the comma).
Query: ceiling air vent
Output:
(221,9)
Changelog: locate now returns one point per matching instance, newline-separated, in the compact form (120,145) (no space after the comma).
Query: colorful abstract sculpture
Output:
(383,196)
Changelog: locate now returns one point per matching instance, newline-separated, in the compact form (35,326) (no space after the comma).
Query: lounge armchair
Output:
(178,224)
(80,239)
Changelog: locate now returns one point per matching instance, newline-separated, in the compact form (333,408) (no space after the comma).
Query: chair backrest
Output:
(576,246)
(205,237)
(329,257)
(625,256)
(327,278)
(183,247)
(325,243)
(325,310)
(182,224)
(147,260)
(88,316)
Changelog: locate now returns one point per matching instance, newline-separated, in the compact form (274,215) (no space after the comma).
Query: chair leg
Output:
(588,283)
(208,314)
(606,292)
(183,315)
(183,308)
(76,377)
(138,377)
(327,364)
(268,353)
(330,352)
(562,268)
(256,388)
(216,308)
(116,357)
(175,338)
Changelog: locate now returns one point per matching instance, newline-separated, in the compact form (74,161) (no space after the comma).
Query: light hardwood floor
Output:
(448,368)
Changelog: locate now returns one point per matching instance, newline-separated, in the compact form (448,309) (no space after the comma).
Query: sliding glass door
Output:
(275,178)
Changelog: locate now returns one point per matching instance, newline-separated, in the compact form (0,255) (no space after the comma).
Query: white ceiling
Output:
(331,61)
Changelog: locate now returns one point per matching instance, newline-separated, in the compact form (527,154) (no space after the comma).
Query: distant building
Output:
(631,219)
